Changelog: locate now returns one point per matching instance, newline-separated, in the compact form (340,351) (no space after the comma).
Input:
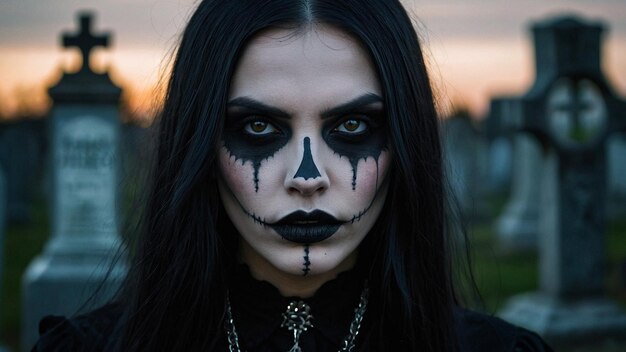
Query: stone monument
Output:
(498,163)
(572,110)
(617,179)
(518,225)
(460,145)
(23,169)
(81,251)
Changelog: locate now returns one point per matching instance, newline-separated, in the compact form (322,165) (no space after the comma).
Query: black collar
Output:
(258,307)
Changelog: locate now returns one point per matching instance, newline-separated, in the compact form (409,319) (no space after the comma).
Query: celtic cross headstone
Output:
(572,111)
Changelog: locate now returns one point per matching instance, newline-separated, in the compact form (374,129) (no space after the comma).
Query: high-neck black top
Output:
(257,309)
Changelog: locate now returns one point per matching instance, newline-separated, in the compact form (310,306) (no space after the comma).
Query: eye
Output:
(352,126)
(259,127)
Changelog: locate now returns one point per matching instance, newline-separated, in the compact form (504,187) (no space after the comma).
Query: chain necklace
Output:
(297,318)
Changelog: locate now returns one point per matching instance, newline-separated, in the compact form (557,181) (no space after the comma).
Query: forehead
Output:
(321,62)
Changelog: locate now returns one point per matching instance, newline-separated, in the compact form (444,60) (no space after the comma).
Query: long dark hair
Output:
(174,297)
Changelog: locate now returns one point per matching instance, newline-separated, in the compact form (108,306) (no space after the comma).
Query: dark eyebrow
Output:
(258,107)
(358,102)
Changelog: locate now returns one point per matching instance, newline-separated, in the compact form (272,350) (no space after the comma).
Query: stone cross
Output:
(85,40)
(80,257)
(572,110)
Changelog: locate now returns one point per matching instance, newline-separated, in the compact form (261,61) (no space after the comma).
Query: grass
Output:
(22,243)
(498,275)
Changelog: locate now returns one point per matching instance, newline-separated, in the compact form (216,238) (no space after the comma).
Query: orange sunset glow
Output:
(475,49)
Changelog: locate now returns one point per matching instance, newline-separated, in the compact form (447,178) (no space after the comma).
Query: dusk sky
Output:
(475,48)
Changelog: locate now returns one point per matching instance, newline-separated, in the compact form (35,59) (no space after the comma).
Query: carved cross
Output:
(85,40)
(574,108)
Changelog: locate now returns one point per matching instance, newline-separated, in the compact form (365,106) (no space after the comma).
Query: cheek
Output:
(371,174)
(239,177)
(237,174)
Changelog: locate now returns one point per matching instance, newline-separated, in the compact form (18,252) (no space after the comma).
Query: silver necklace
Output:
(297,318)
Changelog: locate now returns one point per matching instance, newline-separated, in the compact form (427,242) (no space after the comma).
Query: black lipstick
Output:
(307,228)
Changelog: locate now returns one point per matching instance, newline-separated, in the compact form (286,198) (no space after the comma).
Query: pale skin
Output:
(304,132)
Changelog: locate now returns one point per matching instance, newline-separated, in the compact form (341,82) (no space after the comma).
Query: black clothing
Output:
(257,309)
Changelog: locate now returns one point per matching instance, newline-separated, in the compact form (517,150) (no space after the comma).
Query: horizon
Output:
(475,49)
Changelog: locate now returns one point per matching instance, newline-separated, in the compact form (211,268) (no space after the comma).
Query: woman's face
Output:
(304,163)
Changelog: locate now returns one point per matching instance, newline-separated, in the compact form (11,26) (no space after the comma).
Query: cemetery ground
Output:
(498,275)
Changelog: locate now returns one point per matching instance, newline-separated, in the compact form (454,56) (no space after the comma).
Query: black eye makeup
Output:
(357,136)
(254,132)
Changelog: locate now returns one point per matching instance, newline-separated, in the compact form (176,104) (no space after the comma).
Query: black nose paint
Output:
(307,167)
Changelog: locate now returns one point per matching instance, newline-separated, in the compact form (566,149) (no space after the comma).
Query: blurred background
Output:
(479,54)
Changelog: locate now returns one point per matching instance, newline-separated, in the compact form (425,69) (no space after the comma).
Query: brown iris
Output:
(351,125)
(258,126)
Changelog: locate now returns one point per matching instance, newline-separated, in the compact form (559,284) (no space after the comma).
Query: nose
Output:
(307,179)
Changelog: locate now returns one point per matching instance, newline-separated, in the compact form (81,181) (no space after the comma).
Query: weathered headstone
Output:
(499,156)
(572,111)
(617,176)
(518,225)
(84,169)
(460,145)
(499,166)
(23,170)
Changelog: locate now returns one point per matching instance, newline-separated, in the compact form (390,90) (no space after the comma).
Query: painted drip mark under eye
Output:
(357,155)
(256,165)
(354,162)
(307,262)
(244,149)
(307,168)
(358,149)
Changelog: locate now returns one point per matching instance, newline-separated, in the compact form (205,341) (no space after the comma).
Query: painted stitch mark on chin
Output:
(307,262)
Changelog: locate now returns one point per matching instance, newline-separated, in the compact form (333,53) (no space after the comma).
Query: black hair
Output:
(175,293)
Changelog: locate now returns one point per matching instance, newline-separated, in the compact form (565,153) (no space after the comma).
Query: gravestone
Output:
(22,170)
(499,166)
(460,145)
(499,150)
(617,176)
(518,224)
(81,251)
(572,110)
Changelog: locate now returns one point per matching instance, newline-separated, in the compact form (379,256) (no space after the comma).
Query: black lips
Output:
(307,228)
